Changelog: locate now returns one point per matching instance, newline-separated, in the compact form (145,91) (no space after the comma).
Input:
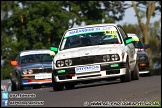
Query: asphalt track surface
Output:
(146,89)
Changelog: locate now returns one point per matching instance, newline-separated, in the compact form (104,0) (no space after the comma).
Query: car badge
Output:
(86,53)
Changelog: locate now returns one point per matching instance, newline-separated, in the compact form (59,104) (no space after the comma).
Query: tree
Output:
(155,43)
(38,24)
(7,7)
(132,28)
(148,13)
(94,12)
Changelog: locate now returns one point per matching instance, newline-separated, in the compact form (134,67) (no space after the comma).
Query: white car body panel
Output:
(120,49)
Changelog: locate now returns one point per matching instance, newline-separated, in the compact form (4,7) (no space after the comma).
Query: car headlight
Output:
(60,63)
(30,71)
(114,57)
(25,72)
(68,62)
(106,58)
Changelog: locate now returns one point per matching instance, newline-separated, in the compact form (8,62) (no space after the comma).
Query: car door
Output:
(132,51)
(130,48)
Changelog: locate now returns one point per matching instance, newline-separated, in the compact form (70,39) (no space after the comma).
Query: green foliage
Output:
(132,28)
(38,24)
(155,42)
(144,4)
(5,71)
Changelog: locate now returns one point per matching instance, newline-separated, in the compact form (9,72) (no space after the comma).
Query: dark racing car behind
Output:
(31,68)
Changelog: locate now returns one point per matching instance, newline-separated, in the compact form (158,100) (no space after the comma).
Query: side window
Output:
(124,35)
(17,58)
(74,41)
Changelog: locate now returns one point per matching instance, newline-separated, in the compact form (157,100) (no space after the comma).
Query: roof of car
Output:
(94,25)
(134,36)
(131,34)
(38,51)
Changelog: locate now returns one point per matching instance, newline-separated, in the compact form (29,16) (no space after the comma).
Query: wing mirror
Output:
(14,63)
(128,40)
(54,48)
(147,46)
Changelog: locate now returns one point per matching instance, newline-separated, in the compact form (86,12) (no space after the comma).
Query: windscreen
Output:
(90,36)
(138,44)
(35,58)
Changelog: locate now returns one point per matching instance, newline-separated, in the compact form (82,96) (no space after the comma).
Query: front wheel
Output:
(18,84)
(57,86)
(150,72)
(135,72)
(127,76)
(13,85)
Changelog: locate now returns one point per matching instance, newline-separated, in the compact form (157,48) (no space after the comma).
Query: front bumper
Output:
(106,71)
(36,79)
(26,82)
(143,67)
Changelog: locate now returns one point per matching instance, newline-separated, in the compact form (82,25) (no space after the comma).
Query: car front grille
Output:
(44,70)
(84,60)
(87,60)
(143,58)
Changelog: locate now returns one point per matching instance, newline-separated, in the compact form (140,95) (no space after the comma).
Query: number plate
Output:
(88,69)
(43,76)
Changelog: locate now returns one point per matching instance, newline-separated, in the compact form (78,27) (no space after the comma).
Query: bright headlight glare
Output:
(25,72)
(114,57)
(106,58)
(68,62)
(30,71)
(60,63)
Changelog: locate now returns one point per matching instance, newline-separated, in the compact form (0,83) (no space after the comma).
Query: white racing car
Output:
(94,52)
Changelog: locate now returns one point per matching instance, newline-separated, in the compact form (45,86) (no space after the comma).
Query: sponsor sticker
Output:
(43,76)
(90,30)
(87,68)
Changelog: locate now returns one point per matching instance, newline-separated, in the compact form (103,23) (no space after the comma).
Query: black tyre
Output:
(13,86)
(127,76)
(135,72)
(57,86)
(150,72)
(69,86)
(147,74)
(18,84)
